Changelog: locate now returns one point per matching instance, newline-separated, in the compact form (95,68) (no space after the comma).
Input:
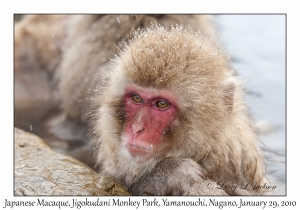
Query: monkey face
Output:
(149,114)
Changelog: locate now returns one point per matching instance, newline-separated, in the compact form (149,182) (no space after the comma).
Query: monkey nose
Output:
(137,128)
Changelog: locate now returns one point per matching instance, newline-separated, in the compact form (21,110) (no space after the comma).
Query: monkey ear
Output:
(228,95)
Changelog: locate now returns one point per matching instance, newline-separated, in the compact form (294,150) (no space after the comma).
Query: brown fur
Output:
(215,128)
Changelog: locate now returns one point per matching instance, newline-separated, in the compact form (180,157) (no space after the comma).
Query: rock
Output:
(40,171)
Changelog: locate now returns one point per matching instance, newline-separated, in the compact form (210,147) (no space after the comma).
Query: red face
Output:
(149,112)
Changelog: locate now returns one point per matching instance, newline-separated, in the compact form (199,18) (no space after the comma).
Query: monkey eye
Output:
(136,98)
(162,104)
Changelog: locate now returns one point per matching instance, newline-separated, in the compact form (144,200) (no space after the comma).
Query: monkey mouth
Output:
(139,150)
(140,147)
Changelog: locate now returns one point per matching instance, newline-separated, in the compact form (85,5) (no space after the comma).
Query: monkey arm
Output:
(174,176)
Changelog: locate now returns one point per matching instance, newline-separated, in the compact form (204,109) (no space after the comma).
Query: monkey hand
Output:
(172,176)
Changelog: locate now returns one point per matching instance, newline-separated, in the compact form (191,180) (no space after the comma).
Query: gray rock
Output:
(40,171)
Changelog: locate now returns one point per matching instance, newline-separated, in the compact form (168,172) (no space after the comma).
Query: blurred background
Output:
(257,44)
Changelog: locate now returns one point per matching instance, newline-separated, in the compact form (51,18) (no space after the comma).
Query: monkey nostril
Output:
(140,131)
(137,132)
(137,129)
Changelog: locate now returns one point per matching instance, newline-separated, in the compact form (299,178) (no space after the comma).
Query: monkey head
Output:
(168,90)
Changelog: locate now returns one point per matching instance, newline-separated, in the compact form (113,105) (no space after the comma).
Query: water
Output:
(257,46)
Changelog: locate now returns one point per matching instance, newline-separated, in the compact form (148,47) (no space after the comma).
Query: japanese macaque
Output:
(38,40)
(167,112)
(173,114)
